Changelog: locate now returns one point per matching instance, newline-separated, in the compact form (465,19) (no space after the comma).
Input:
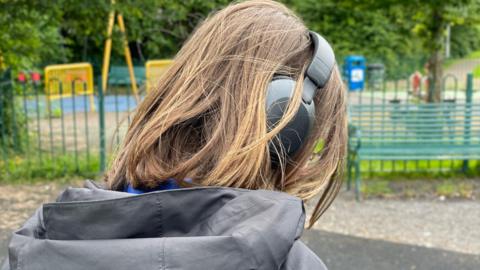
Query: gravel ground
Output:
(449,224)
(18,202)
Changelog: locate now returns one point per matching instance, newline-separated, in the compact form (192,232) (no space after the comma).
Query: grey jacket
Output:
(191,228)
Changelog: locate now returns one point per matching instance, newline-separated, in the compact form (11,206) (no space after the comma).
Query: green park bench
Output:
(119,75)
(431,131)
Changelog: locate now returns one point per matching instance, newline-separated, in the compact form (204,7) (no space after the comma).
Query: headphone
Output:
(280,91)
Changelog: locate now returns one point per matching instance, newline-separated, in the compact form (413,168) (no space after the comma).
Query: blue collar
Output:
(165,185)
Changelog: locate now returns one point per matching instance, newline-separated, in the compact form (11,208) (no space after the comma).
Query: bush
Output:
(12,118)
(464,40)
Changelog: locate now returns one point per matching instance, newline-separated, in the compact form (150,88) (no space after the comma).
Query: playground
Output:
(411,189)
(425,214)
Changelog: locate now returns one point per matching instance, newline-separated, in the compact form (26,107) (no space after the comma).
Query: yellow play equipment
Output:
(108,51)
(1,61)
(154,69)
(69,79)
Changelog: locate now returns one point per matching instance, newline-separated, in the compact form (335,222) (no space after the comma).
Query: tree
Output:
(29,33)
(403,34)
(382,34)
(158,28)
(155,28)
(431,20)
(465,39)
(37,33)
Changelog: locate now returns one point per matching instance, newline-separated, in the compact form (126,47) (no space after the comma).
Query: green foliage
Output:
(382,35)
(157,28)
(416,188)
(12,119)
(474,55)
(36,33)
(22,167)
(476,72)
(376,189)
(452,189)
(464,41)
(29,34)
(446,189)
(402,34)
(56,112)
(431,20)
(423,169)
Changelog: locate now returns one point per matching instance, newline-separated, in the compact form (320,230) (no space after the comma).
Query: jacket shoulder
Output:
(301,257)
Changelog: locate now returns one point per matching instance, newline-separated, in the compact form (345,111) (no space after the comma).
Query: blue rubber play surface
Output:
(112,103)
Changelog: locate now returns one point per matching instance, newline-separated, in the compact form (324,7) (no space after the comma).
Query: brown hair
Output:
(206,118)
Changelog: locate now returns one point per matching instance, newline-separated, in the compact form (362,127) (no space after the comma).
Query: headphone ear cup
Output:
(291,138)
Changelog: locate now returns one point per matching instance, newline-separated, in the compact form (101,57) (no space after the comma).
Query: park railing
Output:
(76,132)
(66,132)
(406,90)
(44,136)
(393,132)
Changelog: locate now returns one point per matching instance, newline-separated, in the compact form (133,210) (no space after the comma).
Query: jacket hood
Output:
(190,228)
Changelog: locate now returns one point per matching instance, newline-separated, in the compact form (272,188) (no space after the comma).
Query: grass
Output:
(476,72)
(376,189)
(437,178)
(423,169)
(29,169)
(474,55)
(451,61)
(411,179)
(56,112)
(446,189)
(450,189)
(465,189)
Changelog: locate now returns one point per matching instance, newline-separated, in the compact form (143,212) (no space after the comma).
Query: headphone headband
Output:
(280,92)
(319,70)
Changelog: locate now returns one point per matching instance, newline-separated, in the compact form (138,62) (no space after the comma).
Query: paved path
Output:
(461,68)
(340,252)
(416,234)
(430,223)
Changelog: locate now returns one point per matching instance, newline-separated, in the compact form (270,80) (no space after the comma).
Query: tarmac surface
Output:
(341,252)
(369,235)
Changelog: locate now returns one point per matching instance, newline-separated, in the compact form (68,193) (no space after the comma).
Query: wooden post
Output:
(108,49)
(1,62)
(128,57)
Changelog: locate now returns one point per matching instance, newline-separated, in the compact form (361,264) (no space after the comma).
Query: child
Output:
(217,161)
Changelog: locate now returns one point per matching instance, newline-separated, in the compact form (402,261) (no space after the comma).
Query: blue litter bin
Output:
(354,71)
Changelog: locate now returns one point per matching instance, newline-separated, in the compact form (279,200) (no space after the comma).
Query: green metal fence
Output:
(43,137)
(71,134)
(405,91)
(388,114)
(49,138)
